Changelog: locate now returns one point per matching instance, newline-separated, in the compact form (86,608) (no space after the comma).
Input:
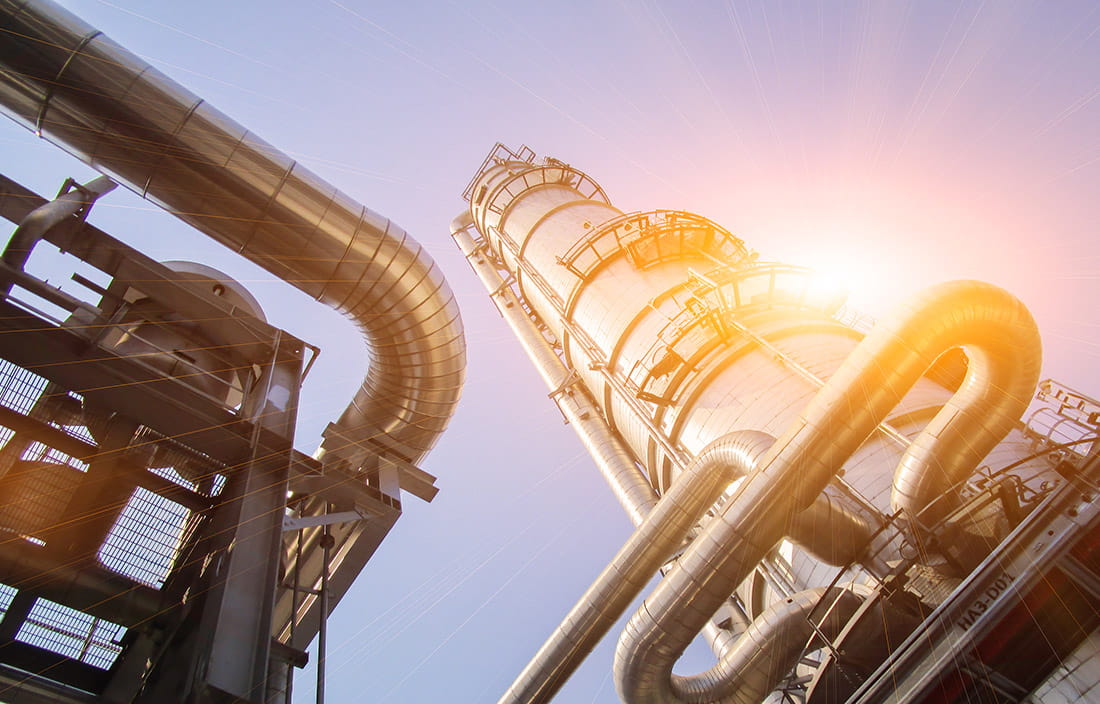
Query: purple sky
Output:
(893,144)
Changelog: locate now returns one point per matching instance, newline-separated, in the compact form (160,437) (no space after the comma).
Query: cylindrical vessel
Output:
(674,326)
(683,337)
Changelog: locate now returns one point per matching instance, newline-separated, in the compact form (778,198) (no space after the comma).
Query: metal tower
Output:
(161,540)
(848,514)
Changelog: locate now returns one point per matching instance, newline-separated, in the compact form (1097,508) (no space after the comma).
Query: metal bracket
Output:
(292,523)
(505,285)
(570,379)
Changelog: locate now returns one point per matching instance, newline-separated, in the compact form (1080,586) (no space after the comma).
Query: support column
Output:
(246,578)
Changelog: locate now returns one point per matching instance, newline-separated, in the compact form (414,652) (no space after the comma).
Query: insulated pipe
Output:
(772,645)
(656,540)
(1002,344)
(946,452)
(615,461)
(45,217)
(834,529)
(73,86)
(647,549)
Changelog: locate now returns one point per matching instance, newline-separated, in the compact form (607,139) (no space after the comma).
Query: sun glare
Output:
(845,266)
(861,286)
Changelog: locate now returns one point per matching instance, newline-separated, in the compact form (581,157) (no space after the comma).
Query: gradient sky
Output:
(893,144)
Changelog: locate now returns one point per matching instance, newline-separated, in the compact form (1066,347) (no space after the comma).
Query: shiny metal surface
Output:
(78,89)
(649,547)
(752,668)
(614,460)
(1004,353)
(834,528)
(999,382)
(682,337)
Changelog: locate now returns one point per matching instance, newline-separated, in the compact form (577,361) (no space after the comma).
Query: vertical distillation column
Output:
(697,355)
(668,320)
(642,330)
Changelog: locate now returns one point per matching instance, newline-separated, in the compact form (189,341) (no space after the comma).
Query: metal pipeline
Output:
(614,459)
(647,549)
(655,541)
(1002,344)
(44,218)
(835,529)
(772,645)
(75,87)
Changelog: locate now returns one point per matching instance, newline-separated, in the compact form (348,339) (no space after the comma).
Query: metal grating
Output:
(78,431)
(40,452)
(145,540)
(6,455)
(24,391)
(72,633)
(6,595)
(218,484)
(34,496)
(173,476)
(179,463)
(19,388)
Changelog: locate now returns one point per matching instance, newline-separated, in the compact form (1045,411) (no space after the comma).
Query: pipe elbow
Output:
(462,221)
(1004,352)
(758,660)
(854,401)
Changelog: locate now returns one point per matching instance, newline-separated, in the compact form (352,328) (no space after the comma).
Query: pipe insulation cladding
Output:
(78,89)
(688,347)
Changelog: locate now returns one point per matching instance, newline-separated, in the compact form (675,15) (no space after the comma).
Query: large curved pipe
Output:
(656,540)
(771,646)
(77,88)
(1007,359)
(1002,344)
(647,549)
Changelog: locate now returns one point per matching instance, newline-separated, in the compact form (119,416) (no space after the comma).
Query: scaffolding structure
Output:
(161,539)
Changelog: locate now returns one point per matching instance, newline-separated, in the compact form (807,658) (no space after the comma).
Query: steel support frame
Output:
(22,688)
(1023,561)
(240,606)
(238,603)
(133,389)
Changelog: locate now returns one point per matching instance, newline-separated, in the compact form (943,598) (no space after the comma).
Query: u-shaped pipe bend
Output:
(651,545)
(1003,350)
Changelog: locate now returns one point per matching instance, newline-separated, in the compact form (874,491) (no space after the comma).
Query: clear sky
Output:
(893,144)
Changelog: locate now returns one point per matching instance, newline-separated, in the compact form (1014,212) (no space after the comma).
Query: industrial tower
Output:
(847,513)
(161,539)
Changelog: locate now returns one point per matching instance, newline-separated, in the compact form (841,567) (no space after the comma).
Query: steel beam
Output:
(248,573)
